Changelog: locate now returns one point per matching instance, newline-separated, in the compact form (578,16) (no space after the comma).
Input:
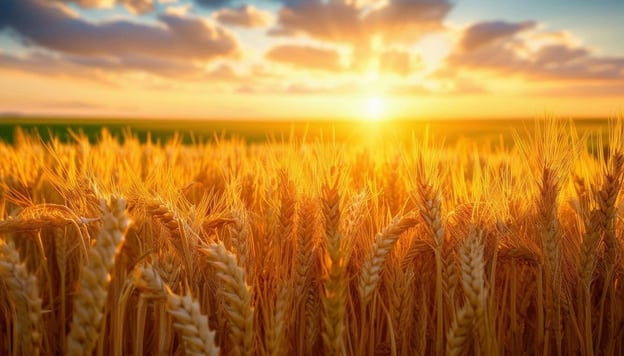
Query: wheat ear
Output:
(371,270)
(287,211)
(197,337)
(241,239)
(236,296)
(40,216)
(305,246)
(335,285)
(473,284)
(166,216)
(24,294)
(460,332)
(606,199)
(312,317)
(429,201)
(277,329)
(94,279)
(193,325)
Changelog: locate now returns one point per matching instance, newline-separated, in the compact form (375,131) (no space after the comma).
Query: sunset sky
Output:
(297,59)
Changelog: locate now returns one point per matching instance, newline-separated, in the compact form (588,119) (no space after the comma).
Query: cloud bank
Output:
(339,41)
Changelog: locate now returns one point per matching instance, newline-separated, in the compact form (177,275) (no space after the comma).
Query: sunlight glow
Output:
(375,109)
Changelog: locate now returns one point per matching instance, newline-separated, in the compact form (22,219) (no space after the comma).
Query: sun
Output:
(375,108)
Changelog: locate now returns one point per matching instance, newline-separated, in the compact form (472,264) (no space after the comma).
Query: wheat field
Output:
(310,247)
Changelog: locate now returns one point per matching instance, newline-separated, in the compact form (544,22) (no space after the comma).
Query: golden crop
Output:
(310,248)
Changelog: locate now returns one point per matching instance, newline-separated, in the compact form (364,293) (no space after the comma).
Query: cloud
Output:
(179,10)
(174,69)
(334,21)
(75,105)
(139,6)
(306,57)
(358,22)
(560,54)
(411,90)
(213,4)
(243,16)
(173,37)
(134,6)
(48,65)
(143,73)
(299,89)
(111,71)
(407,20)
(399,62)
(224,72)
(484,33)
(448,88)
(529,54)
(594,90)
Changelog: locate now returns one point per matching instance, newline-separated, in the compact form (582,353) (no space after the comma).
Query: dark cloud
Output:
(167,68)
(525,56)
(484,33)
(333,21)
(305,57)
(408,19)
(214,4)
(558,54)
(356,23)
(244,16)
(174,37)
(103,70)
(52,66)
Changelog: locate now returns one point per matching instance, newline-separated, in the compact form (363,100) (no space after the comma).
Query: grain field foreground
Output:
(310,248)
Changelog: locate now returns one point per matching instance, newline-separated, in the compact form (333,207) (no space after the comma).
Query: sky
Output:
(304,59)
